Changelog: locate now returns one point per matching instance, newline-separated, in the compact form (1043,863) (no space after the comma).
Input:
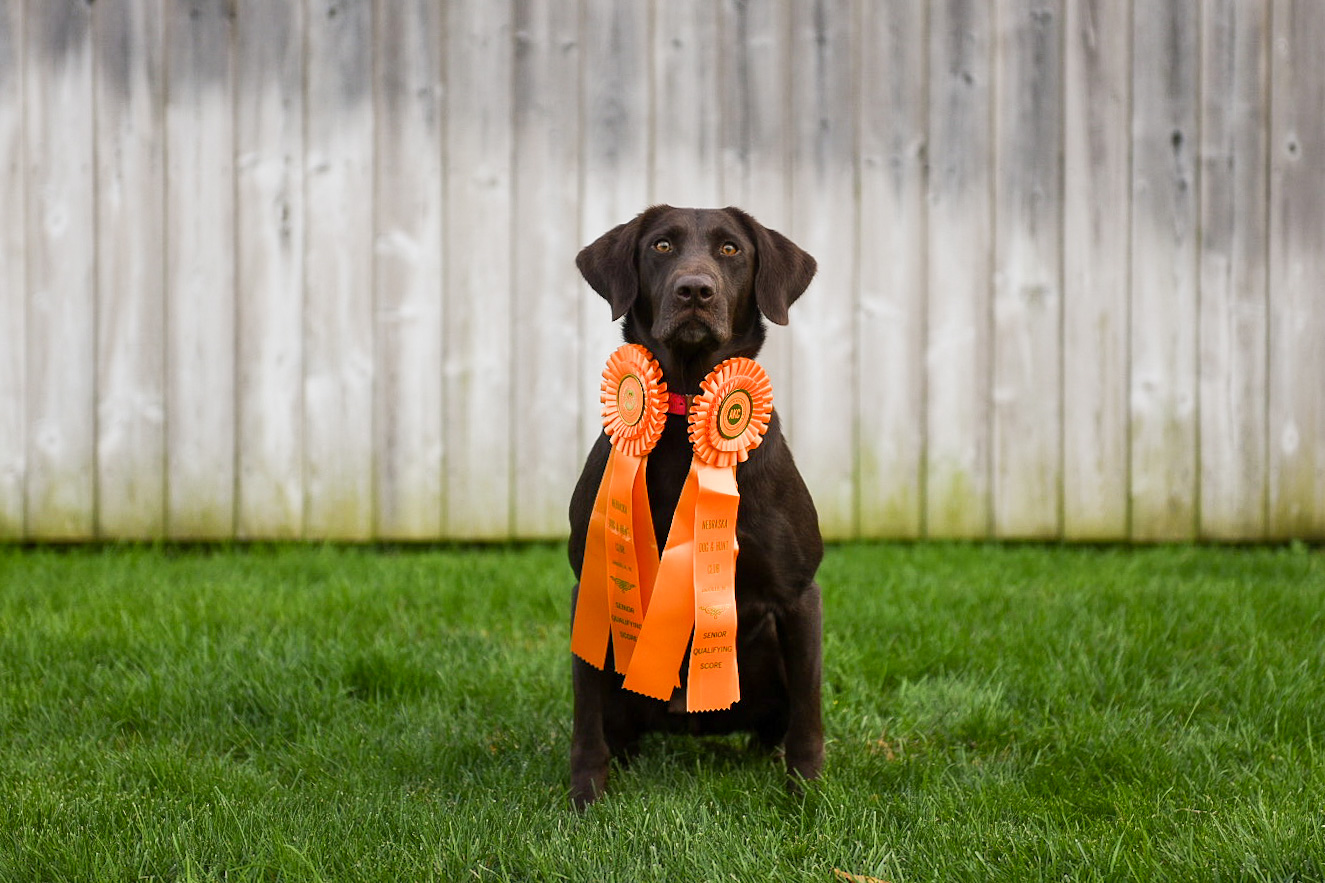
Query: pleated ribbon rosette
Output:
(621,554)
(694,593)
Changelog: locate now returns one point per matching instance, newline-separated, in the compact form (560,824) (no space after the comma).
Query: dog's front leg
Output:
(800,630)
(588,745)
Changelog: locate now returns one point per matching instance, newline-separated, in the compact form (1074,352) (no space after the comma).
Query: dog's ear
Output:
(783,269)
(608,264)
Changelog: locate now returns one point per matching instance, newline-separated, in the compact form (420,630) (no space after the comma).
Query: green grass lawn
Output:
(993,713)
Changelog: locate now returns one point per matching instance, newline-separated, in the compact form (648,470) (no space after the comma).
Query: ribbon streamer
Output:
(621,553)
(694,596)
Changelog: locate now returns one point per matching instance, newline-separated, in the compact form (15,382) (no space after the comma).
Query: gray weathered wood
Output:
(1027,343)
(1164,315)
(1297,272)
(409,98)
(960,265)
(820,413)
(754,88)
(61,333)
(686,107)
(200,288)
(269,266)
(13,261)
(545,238)
(131,334)
(478,308)
(890,332)
(1096,244)
(338,300)
(1235,96)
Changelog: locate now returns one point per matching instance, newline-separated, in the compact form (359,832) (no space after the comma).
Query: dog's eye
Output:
(729,249)
(662,246)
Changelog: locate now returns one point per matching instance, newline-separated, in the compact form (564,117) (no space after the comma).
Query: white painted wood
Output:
(269,229)
(890,333)
(546,363)
(754,89)
(61,283)
(685,104)
(13,286)
(1297,272)
(960,265)
(478,310)
(1096,275)
(1027,355)
(131,339)
(614,170)
(820,416)
(408,246)
(1235,95)
(338,271)
(200,290)
(1164,315)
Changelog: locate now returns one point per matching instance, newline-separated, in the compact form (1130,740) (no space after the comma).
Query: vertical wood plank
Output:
(1234,226)
(269,226)
(546,238)
(754,88)
(685,104)
(478,308)
(1026,401)
(200,290)
(13,262)
(1297,272)
(338,271)
(890,332)
(1096,247)
(959,270)
(61,284)
(1164,315)
(131,346)
(614,168)
(408,435)
(820,420)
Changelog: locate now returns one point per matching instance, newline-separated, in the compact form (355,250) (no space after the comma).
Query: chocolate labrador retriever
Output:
(695,286)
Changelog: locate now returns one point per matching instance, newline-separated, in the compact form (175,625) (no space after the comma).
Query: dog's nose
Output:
(696,288)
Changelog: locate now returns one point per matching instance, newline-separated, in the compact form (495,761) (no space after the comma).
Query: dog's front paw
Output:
(803,769)
(587,786)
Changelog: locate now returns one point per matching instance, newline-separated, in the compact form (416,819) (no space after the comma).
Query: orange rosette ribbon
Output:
(694,596)
(621,553)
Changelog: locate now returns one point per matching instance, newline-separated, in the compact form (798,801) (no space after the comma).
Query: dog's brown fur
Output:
(694,303)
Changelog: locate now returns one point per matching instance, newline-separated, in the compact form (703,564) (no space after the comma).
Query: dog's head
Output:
(696,284)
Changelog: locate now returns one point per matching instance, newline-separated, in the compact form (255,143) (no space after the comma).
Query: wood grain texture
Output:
(545,238)
(410,107)
(754,88)
(1233,331)
(960,267)
(1164,284)
(820,415)
(338,272)
(686,107)
(1297,272)
(269,260)
(614,170)
(478,313)
(890,333)
(1027,309)
(130,220)
(13,265)
(61,272)
(1096,269)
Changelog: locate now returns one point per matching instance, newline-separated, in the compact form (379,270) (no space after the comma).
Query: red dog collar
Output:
(678,404)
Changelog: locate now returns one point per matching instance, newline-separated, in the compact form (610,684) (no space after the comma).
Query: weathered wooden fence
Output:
(303,268)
